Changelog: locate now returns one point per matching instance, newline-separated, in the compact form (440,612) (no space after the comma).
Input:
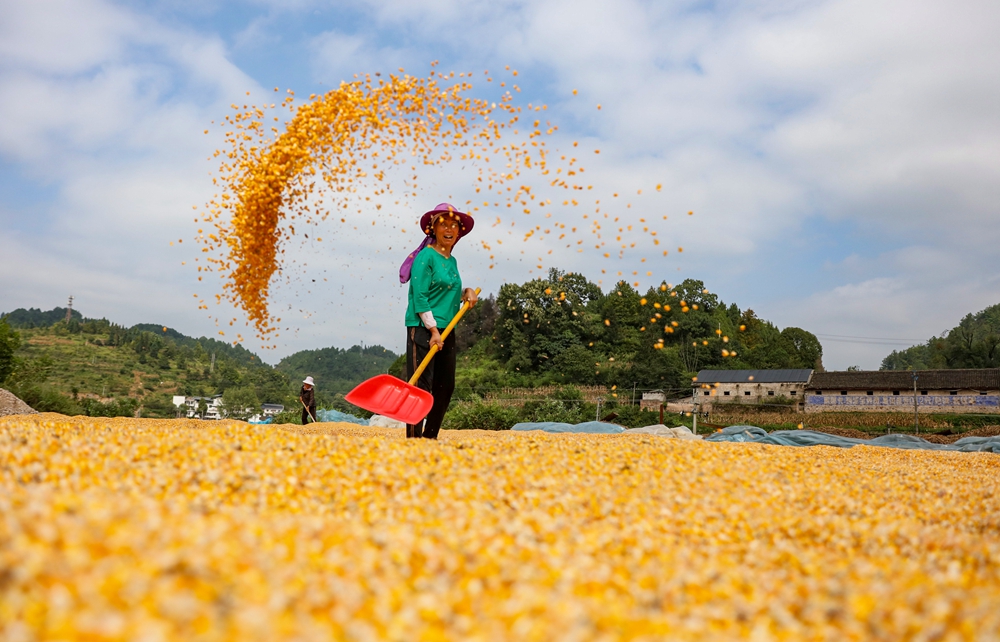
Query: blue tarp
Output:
(753,434)
(336,415)
(593,427)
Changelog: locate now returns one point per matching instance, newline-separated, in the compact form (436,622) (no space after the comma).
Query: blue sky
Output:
(841,156)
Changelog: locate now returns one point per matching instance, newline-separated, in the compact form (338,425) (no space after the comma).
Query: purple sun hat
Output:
(427,221)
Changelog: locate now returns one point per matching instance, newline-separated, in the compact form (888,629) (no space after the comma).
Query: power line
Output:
(867,340)
(877,343)
(849,336)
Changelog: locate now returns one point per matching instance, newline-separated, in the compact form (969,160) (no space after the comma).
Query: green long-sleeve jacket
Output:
(435,285)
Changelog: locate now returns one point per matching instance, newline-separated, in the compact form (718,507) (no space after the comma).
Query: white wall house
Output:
(189,406)
(652,400)
(267,410)
(926,391)
(751,387)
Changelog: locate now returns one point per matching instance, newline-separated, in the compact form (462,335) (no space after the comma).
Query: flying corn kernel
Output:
(346,140)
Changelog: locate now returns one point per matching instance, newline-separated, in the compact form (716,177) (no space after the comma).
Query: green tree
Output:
(10,341)
(657,368)
(30,372)
(622,314)
(227,375)
(336,370)
(577,364)
(271,386)
(973,343)
(240,403)
(917,357)
(542,318)
(477,324)
(807,352)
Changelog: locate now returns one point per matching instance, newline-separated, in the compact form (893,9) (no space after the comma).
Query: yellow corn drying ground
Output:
(159,530)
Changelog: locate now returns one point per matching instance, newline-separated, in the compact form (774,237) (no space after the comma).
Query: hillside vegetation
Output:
(560,331)
(95,367)
(339,370)
(563,330)
(973,343)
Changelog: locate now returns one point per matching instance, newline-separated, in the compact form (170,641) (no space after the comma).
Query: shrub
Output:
(114,408)
(636,417)
(555,410)
(44,398)
(482,416)
(289,416)
(158,407)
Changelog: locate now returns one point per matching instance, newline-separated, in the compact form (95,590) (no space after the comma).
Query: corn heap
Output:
(123,529)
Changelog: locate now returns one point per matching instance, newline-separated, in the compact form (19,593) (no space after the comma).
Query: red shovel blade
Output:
(391,397)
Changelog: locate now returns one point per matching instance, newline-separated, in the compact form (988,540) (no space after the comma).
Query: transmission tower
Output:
(69,309)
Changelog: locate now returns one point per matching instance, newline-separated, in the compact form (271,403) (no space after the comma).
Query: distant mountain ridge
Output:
(36,318)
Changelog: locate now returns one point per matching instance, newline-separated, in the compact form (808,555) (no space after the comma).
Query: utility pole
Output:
(211,368)
(916,416)
(694,409)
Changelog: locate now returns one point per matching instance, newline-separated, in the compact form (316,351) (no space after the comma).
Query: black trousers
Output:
(307,415)
(438,378)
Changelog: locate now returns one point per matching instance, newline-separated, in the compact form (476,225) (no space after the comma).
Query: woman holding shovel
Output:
(307,397)
(434,298)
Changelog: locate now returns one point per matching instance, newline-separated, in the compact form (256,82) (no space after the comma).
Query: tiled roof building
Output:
(980,379)
(972,391)
(757,387)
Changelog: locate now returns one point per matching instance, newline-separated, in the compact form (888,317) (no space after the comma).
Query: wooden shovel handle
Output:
(308,412)
(444,335)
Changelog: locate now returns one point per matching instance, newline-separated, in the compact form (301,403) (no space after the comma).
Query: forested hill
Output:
(973,343)
(35,318)
(235,352)
(335,369)
(120,335)
(96,367)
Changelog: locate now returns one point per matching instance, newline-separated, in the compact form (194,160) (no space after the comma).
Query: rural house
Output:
(928,391)
(653,399)
(780,387)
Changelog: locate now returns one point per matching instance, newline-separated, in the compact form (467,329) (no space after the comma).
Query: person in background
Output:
(307,397)
(435,296)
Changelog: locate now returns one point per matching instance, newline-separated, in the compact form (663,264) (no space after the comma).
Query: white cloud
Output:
(928,292)
(110,128)
(62,36)
(338,57)
(872,121)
